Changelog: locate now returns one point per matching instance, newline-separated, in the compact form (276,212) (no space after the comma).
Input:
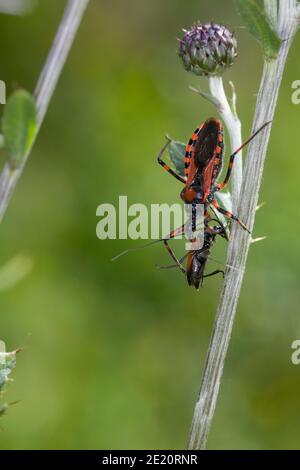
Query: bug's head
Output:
(213,231)
(220,231)
(207,142)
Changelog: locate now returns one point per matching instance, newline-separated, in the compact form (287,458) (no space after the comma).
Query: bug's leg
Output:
(222,185)
(229,215)
(173,256)
(218,271)
(173,265)
(166,167)
(232,157)
(175,233)
(207,219)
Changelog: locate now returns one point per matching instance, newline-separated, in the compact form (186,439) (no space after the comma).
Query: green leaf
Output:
(7,363)
(176,153)
(259,26)
(19,126)
(225,200)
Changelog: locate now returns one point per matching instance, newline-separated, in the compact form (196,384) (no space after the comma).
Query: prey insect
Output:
(202,166)
(196,259)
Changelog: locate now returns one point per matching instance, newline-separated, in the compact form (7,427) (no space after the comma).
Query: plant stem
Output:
(240,241)
(271,8)
(234,128)
(45,88)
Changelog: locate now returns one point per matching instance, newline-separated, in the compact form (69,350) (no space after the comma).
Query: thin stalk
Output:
(271,8)
(234,128)
(240,241)
(45,88)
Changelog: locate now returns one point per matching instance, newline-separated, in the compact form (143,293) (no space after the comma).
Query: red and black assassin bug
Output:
(203,163)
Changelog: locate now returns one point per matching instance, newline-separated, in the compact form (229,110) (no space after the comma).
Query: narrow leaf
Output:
(176,153)
(7,363)
(207,97)
(225,200)
(259,26)
(19,126)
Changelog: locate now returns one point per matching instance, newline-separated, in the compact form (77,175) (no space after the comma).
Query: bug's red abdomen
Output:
(204,156)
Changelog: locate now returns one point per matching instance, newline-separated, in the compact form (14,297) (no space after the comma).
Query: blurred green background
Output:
(116,350)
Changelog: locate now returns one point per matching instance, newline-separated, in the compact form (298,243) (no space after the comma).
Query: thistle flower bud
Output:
(207,49)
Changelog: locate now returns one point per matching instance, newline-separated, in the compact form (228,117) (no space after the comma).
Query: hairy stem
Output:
(45,88)
(240,241)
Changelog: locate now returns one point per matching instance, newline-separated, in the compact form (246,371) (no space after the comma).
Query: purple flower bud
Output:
(207,49)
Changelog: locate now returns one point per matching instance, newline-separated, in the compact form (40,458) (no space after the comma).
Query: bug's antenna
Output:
(172,265)
(123,253)
(171,235)
(250,138)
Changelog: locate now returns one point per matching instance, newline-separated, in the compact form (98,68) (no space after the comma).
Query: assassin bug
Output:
(203,163)
(202,166)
